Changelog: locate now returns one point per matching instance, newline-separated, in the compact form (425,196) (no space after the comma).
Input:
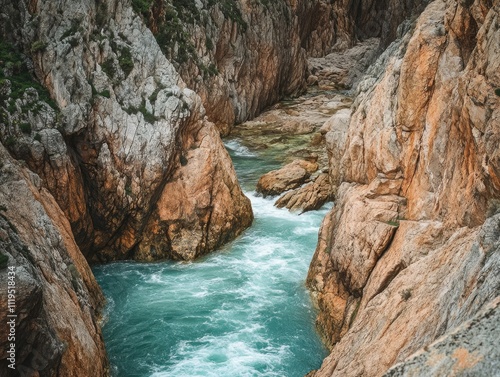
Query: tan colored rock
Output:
(410,250)
(470,349)
(335,130)
(57,298)
(288,177)
(124,124)
(196,215)
(310,197)
(297,127)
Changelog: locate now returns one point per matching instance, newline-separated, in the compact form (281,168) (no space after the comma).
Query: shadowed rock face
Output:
(125,125)
(410,250)
(57,299)
(242,56)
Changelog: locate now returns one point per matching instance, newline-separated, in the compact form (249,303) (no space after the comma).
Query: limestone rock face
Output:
(57,298)
(471,349)
(288,177)
(242,56)
(344,69)
(125,124)
(410,250)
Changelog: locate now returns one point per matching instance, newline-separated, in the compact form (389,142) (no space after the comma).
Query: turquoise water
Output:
(240,312)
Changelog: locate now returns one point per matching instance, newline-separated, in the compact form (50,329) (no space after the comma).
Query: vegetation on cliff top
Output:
(13,68)
(171,26)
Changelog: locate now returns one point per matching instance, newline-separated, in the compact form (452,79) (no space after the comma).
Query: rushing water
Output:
(242,311)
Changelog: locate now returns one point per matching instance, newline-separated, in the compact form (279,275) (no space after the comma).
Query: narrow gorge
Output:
(166,166)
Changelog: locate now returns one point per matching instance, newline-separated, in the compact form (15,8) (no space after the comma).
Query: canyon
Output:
(111,114)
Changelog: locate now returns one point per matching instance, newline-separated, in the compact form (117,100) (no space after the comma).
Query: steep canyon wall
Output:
(411,249)
(122,127)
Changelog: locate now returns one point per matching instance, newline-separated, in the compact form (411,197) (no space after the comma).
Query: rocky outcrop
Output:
(410,250)
(287,178)
(470,350)
(310,197)
(342,70)
(56,298)
(198,215)
(242,56)
(122,126)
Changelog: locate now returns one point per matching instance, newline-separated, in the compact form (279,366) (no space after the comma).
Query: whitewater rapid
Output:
(241,311)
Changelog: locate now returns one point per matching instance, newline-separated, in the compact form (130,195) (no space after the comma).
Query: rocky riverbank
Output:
(295,130)
(110,118)
(410,250)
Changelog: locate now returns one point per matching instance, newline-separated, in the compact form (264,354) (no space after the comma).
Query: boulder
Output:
(310,197)
(287,178)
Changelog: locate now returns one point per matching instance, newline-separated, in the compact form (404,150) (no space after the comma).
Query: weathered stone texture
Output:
(410,250)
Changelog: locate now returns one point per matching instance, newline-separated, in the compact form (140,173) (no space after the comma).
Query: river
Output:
(241,311)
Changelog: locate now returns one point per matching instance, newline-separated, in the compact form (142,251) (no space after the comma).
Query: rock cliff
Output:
(242,56)
(56,298)
(410,250)
(122,128)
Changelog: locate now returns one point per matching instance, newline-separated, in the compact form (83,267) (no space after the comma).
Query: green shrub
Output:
(4,259)
(231,11)
(74,28)
(73,42)
(21,78)
(148,117)
(38,137)
(209,43)
(154,95)
(497,91)
(393,223)
(11,107)
(38,46)
(183,160)
(25,128)
(101,17)
(109,68)
(212,70)
(405,294)
(141,6)
(10,141)
(125,60)
(105,93)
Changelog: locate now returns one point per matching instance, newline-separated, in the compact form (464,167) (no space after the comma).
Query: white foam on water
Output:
(238,149)
(233,354)
(235,313)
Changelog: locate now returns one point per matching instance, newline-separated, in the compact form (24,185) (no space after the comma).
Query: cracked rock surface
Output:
(410,250)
